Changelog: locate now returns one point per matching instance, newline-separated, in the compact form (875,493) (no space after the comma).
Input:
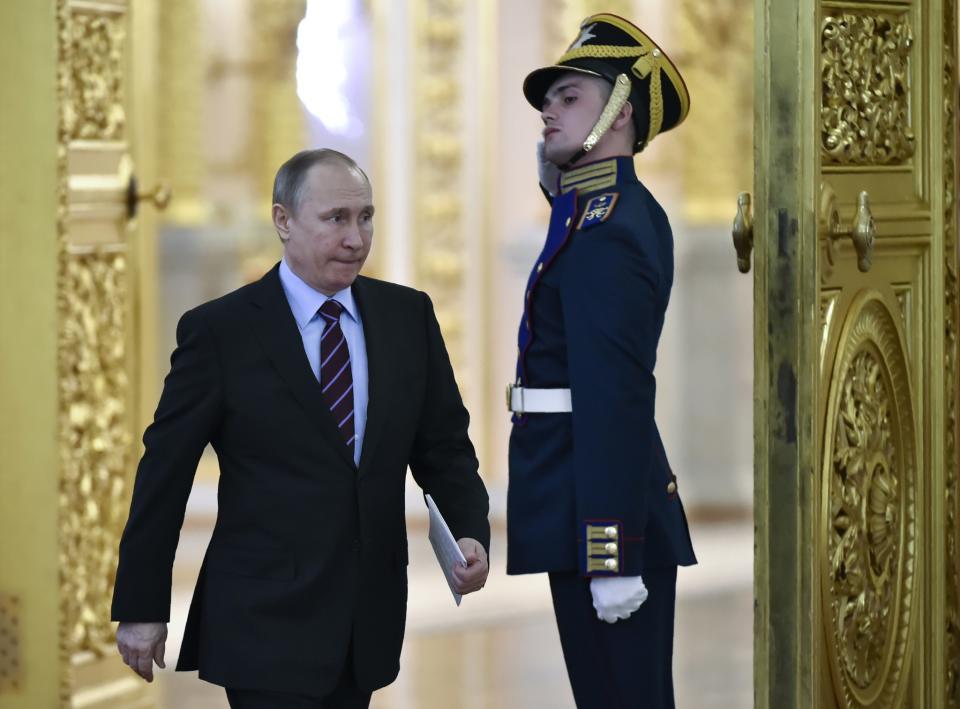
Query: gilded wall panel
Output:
(865,111)
(93,361)
(95,440)
(868,521)
(950,377)
(439,149)
(93,106)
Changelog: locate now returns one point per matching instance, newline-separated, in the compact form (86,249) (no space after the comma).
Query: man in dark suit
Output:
(592,499)
(316,387)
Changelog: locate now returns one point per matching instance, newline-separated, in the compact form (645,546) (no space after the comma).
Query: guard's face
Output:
(328,239)
(571,107)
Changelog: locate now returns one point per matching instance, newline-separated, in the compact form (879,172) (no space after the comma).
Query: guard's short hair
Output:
(291,177)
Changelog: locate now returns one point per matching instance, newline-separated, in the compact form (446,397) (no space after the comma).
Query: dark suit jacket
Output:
(309,553)
(594,312)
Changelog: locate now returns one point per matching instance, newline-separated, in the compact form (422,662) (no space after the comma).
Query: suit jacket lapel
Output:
(277,332)
(375,330)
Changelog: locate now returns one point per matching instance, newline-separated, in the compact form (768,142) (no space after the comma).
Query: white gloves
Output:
(549,173)
(616,597)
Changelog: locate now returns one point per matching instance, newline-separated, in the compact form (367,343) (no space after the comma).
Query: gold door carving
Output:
(865,366)
(869,510)
(865,114)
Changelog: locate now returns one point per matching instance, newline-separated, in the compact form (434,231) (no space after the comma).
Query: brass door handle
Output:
(743,232)
(862,231)
(160,196)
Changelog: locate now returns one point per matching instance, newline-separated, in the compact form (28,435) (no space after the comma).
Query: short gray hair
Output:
(291,177)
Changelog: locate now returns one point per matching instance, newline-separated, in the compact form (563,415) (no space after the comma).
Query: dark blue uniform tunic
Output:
(594,311)
(591,492)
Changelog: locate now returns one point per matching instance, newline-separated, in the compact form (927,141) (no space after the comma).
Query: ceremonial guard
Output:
(592,498)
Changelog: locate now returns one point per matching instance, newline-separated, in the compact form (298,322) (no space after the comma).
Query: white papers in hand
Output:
(444,546)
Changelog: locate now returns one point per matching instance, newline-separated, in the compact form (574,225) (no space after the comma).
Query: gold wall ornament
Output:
(438,157)
(865,110)
(868,522)
(95,440)
(93,107)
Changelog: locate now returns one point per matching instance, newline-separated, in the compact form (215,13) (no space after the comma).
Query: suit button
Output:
(671,487)
(610,564)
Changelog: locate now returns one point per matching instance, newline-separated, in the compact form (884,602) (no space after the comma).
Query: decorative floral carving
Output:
(865,108)
(870,511)
(93,106)
(95,440)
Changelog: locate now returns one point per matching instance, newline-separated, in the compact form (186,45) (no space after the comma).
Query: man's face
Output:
(571,107)
(328,239)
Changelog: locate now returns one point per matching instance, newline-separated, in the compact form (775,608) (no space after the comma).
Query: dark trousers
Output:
(346,695)
(622,665)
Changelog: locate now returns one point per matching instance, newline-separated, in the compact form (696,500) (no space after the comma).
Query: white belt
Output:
(523,400)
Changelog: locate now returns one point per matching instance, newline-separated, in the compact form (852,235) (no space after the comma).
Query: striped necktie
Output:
(336,378)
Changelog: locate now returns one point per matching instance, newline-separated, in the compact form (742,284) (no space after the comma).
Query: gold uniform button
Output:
(610,564)
(539,267)
(610,532)
(611,547)
(671,487)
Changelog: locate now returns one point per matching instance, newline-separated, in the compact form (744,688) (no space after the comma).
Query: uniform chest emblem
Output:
(598,210)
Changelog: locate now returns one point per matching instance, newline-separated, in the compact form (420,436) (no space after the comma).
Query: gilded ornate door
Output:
(72,285)
(855,354)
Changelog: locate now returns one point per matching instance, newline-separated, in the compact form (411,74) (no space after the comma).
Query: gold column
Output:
(715,52)
(278,127)
(438,156)
(180,135)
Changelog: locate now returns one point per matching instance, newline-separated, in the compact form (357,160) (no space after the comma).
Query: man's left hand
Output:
(474,576)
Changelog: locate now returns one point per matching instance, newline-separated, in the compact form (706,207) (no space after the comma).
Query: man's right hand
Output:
(548,172)
(140,644)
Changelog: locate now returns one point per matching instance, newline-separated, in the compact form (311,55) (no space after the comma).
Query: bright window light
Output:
(322,64)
